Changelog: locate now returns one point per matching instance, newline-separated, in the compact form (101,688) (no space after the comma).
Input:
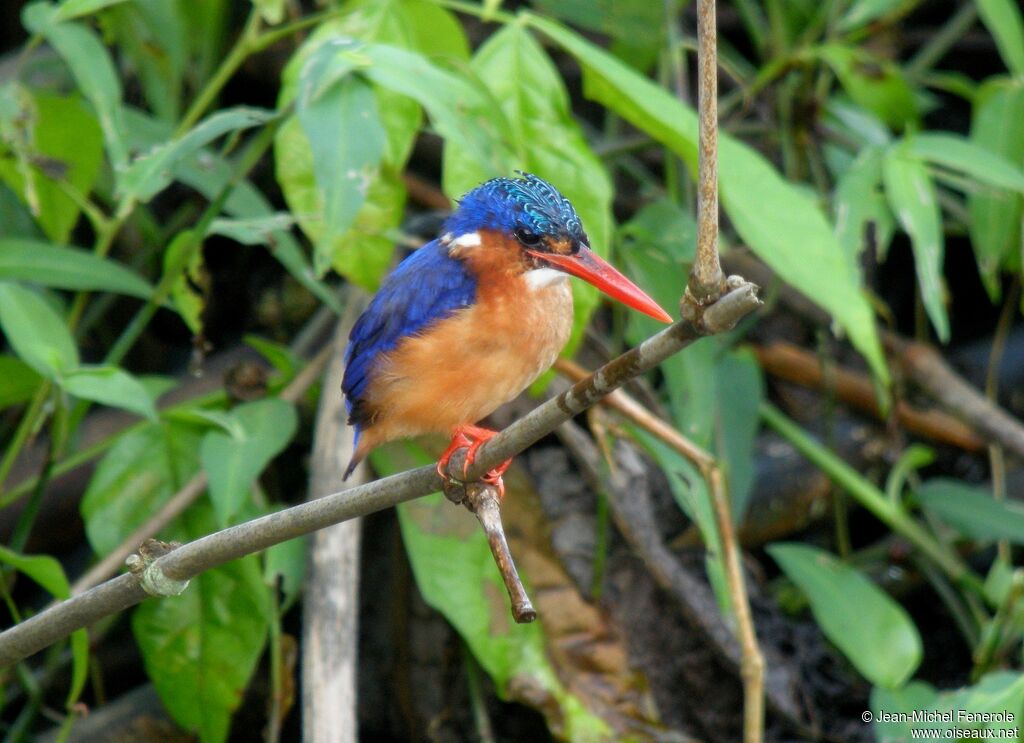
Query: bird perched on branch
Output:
(469,320)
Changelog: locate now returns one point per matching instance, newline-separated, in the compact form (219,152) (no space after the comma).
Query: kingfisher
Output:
(472,318)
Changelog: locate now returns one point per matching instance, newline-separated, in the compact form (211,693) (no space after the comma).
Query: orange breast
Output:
(464,367)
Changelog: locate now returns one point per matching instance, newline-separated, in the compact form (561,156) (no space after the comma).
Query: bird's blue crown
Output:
(510,204)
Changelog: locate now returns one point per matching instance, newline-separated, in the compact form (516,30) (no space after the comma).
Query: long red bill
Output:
(593,269)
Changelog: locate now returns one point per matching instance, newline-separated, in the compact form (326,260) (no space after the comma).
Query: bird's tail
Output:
(358,454)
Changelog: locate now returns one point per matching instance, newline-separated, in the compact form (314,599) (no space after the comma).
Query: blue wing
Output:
(426,287)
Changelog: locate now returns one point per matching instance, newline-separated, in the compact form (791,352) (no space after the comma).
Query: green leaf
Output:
(253,230)
(364,253)
(279,356)
(67,268)
(783,224)
(345,138)
(233,464)
(201,648)
(912,198)
(863,12)
(183,269)
(71,9)
(20,382)
(272,11)
(969,158)
(155,38)
(740,389)
(110,386)
(876,84)
(137,476)
(35,331)
(997,125)
(49,574)
(547,140)
(92,68)
(629,20)
(859,202)
(1004,22)
(284,566)
(914,697)
(208,173)
(153,172)
(56,145)
(455,573)
(873,631)
(973,511)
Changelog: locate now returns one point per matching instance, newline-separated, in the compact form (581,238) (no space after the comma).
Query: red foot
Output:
(473,437)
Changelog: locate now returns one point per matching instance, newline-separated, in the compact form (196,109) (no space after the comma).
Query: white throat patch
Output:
(539,278)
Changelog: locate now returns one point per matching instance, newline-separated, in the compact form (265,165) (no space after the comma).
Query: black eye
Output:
(527,238)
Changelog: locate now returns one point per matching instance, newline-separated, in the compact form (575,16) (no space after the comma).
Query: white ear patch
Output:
(540,278)
(469,240)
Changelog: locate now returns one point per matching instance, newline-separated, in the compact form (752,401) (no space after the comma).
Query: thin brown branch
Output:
(797,365)
(706,279)
(928,370)
(216,549)
(752,666)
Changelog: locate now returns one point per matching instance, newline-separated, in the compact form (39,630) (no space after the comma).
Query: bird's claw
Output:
(472,438)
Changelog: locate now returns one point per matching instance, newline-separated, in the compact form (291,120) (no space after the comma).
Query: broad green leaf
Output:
(67,268)
(1004,22)
(20,381)
(876,84)
(153,172)
(136,477)
(914,697)
(975,160)
(92,68)
(547,141)
(364,253)
(866,624)
(57,145)
(184,270)
(863,12)
(345,138)
(456,574)
(48,573)
(783,224)
(973,511)
(71,9)
(233,464)
(912,198)
(110,386)
(997,125)
(35,331)
(859,202)
(201,648)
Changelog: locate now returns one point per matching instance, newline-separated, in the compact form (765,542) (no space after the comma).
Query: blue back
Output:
(426,287)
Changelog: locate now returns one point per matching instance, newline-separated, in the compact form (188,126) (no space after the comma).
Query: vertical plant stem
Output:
(706,279)
(995,451)
(28,423)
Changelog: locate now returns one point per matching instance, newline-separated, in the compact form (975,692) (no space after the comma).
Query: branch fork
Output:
(483,500)
(144,566)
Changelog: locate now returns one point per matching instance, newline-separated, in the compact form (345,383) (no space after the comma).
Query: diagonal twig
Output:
(237,541)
